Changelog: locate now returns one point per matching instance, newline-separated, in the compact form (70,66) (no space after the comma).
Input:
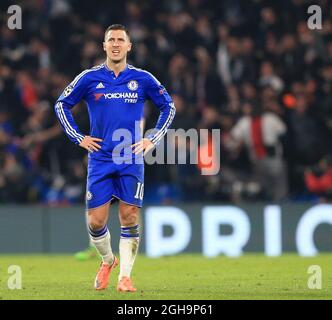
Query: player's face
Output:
(116,45)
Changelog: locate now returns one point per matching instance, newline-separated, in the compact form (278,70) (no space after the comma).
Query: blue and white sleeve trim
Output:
(155,138)
(68,124)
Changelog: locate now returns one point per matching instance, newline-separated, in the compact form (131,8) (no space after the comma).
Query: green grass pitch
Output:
(179,277)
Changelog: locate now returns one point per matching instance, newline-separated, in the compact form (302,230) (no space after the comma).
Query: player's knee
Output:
(96,223)
(129,215)
(97,218)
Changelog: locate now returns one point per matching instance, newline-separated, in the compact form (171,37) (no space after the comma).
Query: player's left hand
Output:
(143,145)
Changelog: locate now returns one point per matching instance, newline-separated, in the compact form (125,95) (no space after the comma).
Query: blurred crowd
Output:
(252,69)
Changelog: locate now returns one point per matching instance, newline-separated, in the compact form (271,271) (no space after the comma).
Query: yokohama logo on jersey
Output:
(119,95)
(128,96)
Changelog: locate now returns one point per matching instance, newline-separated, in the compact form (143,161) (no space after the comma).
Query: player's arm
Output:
(162,100)
(73,94)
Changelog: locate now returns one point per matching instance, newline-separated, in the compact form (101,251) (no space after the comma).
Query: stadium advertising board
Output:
(232,231)
(208,229)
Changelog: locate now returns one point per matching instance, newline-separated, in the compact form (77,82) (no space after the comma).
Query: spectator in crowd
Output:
(261,132)
(318,179)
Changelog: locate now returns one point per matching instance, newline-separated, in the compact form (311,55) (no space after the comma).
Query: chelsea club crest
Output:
(88,196)
(132,85)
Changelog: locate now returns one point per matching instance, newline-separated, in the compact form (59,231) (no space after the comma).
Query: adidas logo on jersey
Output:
(100,86)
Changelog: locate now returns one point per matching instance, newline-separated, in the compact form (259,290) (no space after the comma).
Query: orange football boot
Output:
(125,285)
(103,275)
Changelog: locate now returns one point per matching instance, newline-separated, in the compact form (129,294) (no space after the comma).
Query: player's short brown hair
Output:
(117,27)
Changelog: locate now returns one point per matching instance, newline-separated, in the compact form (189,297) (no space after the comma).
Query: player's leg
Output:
(98,196)
(98,231)
(129,189)
(101,239)
(100,189)
(128,245)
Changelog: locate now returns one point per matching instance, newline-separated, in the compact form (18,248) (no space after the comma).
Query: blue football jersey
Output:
(115,106)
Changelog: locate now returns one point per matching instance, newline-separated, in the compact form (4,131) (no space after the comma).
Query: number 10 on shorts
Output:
(139,191)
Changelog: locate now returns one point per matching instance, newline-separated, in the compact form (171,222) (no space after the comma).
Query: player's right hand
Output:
(90,143)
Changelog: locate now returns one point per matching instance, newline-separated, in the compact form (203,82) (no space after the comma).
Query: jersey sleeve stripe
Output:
(75,134)
(78,77)
(70,131)
(147,72)
(164,128)
(64,121)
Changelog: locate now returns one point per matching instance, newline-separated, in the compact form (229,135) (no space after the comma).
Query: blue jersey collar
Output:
(122,72)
